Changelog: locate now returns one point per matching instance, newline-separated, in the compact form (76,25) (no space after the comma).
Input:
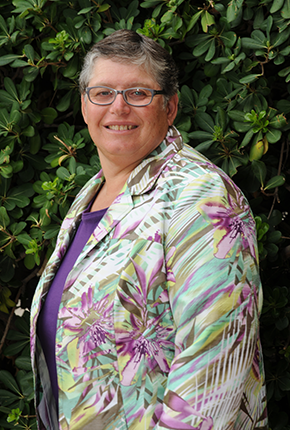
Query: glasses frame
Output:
(153,93)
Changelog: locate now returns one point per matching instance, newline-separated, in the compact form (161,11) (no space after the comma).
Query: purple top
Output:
(47,320)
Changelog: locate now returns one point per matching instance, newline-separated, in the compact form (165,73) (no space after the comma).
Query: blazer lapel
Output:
(115,213)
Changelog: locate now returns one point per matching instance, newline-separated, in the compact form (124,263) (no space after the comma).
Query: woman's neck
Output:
(110,190)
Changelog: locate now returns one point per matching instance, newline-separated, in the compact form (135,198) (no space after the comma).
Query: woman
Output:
(146,316)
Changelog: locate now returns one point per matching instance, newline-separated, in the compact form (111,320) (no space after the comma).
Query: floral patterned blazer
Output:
(158,323)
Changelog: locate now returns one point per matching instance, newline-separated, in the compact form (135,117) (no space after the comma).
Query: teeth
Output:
(121,127)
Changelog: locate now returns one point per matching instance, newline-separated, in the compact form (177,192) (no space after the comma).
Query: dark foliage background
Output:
(235,106)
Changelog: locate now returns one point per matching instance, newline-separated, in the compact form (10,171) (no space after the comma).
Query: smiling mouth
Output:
(121,127)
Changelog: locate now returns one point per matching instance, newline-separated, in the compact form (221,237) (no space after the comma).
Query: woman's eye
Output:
(103,93)
(138,93)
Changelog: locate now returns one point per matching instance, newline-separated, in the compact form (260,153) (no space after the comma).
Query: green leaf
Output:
(29,261)
(205,92)
(281,324)
(274,236)
(229,67)
(3,25)
(6,172)
(29,52)
(229,38)
(285,51)
(16,335)
(206,20)
(8,58)
(194,20)
(7,398)
(15,348)
(247,138)
(211,70)
(274,182)
(86,10)
(29,131)
(86,35)
(187,96)
(211,51)
(16,228)
(7,269)
(31,75)
(72,67)
(184,123)
(24,239)
(64,103)
(260,170)
(200,135)
(236,115)
(5,98)
(202,47)
(16,198)
(10,88)
(23,363)
(7,379)
(249,79)
(273,135)
(221,60)
(259,18)
(275,218)
(276,5)
(242,127)
(20,63)
(103,7)
(222,118)
(249,43)
(204,146)
(278,121)
(4,218)
(51,231)
(204,121)
(285,12)
(150,3)
(233,10)
(48,115)
(234,163)
(63,173)
(280,38)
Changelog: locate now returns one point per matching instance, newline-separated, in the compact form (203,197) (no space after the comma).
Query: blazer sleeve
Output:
(216,379)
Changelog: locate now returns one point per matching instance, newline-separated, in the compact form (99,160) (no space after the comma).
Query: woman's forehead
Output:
(109,72)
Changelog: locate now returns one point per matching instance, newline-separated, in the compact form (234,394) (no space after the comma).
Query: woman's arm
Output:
(216,378)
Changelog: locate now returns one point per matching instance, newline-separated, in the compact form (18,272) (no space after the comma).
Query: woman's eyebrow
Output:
(131,85)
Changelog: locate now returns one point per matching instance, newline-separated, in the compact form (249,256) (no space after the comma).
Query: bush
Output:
(234,107)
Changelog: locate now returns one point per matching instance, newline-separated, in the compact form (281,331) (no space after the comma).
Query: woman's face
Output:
(125,134)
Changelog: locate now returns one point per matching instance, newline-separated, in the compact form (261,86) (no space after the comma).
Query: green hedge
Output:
(234,107)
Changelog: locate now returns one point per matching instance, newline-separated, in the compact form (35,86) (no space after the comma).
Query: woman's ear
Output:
(172,108)
(84,107)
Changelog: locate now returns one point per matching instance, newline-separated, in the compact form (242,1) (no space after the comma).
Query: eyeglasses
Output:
(104,96)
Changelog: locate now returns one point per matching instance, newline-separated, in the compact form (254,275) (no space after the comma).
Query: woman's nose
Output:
(119,106)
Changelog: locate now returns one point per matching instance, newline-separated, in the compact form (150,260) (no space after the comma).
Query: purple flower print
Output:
(146,341)
(142,336)
(92,322)
(233,224)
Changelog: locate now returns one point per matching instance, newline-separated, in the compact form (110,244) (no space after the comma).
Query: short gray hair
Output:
(133,48)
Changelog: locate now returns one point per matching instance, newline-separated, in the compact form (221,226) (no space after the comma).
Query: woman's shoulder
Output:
(190,165)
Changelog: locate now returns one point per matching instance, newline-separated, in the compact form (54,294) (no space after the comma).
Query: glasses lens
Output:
(138,96)
(101,96)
